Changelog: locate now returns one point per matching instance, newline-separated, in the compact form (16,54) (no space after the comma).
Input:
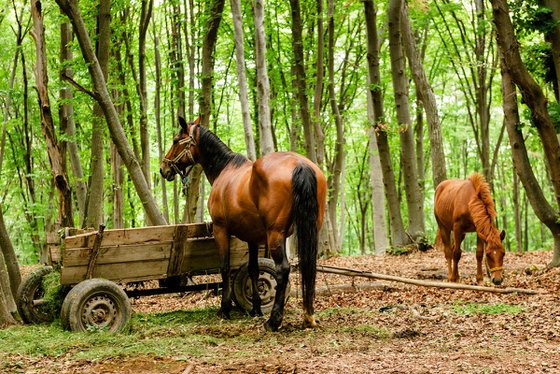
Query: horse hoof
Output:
(256,313)
(268,326)
(309,322)
(223,314)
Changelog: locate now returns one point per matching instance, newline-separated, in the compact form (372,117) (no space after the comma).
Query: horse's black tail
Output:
(306,215)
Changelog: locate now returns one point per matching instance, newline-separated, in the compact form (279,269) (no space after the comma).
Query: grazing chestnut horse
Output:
(258,202)
(463,206)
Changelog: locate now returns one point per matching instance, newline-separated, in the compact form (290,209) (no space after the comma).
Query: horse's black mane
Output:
(217,155)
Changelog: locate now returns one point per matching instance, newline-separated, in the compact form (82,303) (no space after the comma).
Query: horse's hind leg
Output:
(445,238)
(254,275)
(458,237)
(277,245)
(221,237)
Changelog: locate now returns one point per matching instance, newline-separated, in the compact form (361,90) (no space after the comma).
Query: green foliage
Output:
(490,309)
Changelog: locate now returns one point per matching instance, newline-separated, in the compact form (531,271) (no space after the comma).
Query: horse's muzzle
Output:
(168,174)
(497,281)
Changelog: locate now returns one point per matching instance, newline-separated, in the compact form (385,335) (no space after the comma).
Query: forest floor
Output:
(400,329)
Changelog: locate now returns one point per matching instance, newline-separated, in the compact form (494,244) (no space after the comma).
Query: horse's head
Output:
(183,152)
(495,253)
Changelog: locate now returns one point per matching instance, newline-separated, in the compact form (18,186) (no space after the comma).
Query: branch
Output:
(417,282)
(81,88)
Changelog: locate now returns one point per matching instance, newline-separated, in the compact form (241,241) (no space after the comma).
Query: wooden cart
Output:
(98,264)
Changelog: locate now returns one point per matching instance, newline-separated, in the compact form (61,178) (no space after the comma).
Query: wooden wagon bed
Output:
(146,253)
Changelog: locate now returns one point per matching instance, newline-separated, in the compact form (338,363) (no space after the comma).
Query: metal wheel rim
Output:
(266,286)
(99,311)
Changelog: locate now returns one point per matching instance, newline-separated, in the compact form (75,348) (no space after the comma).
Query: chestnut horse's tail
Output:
(306,215)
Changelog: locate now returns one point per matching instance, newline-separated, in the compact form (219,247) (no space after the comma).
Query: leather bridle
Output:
(187,142)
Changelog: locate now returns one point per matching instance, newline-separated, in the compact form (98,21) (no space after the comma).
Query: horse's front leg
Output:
(277,245)
(221,237)
(254,275)
(479,258)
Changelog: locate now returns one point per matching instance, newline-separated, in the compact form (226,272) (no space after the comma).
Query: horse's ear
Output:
(502,235)
(197,120)
(183,124)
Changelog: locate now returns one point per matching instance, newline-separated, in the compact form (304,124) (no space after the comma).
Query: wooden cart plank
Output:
(136,235)
(116,254)
(119,272)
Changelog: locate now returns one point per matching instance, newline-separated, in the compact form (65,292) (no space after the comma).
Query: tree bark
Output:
(70,8)
(376,185)
(263,84)
(145,15)
(318,95)
(511,65)
(398,234)
(414,200)
(66,115)
(65,216)
(95,214)
(157,113)
(428,99)
(337,166)
(242,78)
(299,81)
(10,258)
(531,92)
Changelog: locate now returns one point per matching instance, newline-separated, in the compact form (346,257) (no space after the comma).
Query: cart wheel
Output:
(30,296)
(95,304)
(243,290)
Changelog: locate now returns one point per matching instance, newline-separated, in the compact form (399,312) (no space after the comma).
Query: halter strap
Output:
(497,268)
(187,142)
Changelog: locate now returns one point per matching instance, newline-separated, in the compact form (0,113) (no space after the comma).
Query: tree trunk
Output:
(145,15)
(428,99)
(205,103)
(318,95)
(414,199)
(157,113)
(65,217)
(66,115)
(242,78)
(263,84)
(70,8)
(398,234)
(299,82)
(6,318)
(514,72)
(337,166)
(376,185)
(10,258)
(517,214)
(531,92)
(95,214)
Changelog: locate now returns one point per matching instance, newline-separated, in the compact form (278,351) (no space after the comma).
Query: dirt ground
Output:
(399,329)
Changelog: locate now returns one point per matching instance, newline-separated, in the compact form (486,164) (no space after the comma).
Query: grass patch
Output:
(468,309)
(54,293)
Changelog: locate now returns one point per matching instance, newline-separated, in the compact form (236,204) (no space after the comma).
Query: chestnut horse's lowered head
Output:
(182,153)
(483,213)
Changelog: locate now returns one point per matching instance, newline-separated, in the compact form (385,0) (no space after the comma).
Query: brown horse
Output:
(258,202)
(465,206)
